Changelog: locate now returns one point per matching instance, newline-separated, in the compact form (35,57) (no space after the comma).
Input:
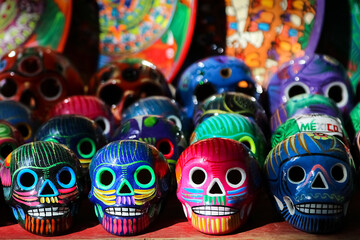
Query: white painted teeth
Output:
(319,208)
(49,212)
(214,210)
(124,212)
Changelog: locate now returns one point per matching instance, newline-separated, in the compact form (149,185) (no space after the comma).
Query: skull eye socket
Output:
(50,88)
(104,124)
(245,87)
(235,177)
(203,91)
(150,89)
(296,174)
(5,149)
(248,142)
(197,176)
(339,173)
(144,176)
(24,130)
(86,148)
(27,179)
(66,177)
(30,66)
(106,75)
(8,87)
(130,74)
(111,94)
(337,91)
(105,178)
(225,72)
(175,120)
(296,88)
(165,147)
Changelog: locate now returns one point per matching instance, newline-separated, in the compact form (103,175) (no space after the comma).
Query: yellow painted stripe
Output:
(217,221)
(104,200)
(104,192)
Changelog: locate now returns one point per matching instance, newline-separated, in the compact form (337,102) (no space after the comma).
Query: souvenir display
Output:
(314,122)
(231,102)
(130,181)
(88,106)
(218,181)
(20,117)
(157,31)
(121,83)
(213,75)
(312,179)
(38,77)
(304,104)
(317,74)
(266,34)
(10,138)
(78,133)
(42,184)
(236,127)
(162,106)
(155,130)
(34,23)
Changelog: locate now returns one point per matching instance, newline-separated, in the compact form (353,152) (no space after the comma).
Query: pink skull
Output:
(218,180)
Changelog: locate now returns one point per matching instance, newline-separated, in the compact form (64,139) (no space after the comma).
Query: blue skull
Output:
(311,177)
(214,75)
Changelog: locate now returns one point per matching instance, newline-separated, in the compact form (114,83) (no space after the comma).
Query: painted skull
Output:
(121,83)
(20,117)
(10,138)
(218,180)
(304,104)
(233,126)
(314,122)
(78,133)
(42,184)
(162,106)
(213,75)
(312,177)
(88,106)
(317,74)
(155,130)
(37,77)
(130,181)
(231,102)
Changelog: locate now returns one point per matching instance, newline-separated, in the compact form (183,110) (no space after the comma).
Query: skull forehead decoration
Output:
(236,127)
(121,83)
(320,123)
(37,77)
(312,177)
(78,133)
(317,74)
(155,130)
(218,180)
(88,106)
(162,106)
(42,184)
(214,75)
(20,117)
(10,138)
(130,180)
(231,102)
(304,104)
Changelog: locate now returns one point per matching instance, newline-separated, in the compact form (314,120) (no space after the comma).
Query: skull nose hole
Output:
(48,190)
(28,99)
(125,189)
(215,189)
(319,182)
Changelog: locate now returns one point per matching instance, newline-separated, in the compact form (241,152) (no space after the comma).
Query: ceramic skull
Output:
(214,75)
(311,177)
(218,180)
(317,74)
(42,184)
(38,77)
(88,106)
(121,83)
(130,181)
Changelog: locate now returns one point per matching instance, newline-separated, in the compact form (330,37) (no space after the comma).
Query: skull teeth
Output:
(124,212)
(319,208)
(48,212)
(214,210)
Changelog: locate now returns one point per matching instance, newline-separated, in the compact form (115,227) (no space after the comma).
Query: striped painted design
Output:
(216,225)
(125,226)
(47,226)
